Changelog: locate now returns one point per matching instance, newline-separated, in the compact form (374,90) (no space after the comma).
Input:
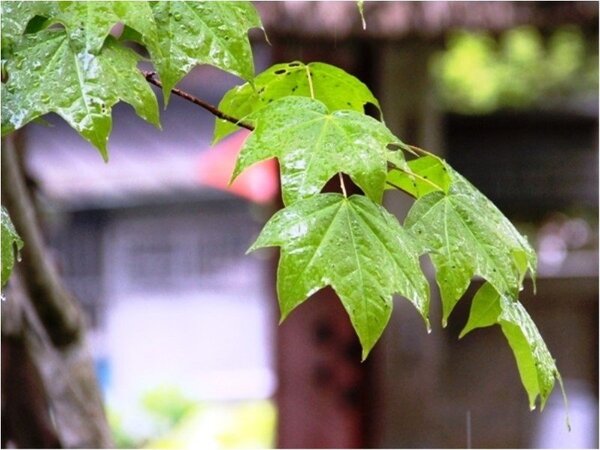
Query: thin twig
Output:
(151,78)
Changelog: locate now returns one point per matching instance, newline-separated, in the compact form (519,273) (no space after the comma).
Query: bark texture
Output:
(52,326)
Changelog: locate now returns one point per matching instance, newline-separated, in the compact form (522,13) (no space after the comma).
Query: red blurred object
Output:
(258,183)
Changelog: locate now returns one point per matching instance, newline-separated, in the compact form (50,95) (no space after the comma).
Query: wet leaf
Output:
(313,145)
(537,368)
(88,23)
(467,235)
(192,33)
(356,247)
(337,89)
(15,16)
(47,75)
(427,174)
(9,240)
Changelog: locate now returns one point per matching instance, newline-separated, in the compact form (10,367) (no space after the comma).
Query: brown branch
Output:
(63,359)
(55,307)
(151,78)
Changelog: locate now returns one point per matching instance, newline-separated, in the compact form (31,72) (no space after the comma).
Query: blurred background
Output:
(183,325)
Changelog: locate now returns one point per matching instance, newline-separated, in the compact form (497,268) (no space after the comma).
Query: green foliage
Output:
(536,366)
(168,404)
(337,89)
(46,75)
(426,174)
(9,240)
(356,247)
(467,235)
(313,145)
(478,73)
(191,33)
(311,117)
(80,72)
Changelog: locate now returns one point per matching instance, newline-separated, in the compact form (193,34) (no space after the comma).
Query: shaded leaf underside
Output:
(536,367)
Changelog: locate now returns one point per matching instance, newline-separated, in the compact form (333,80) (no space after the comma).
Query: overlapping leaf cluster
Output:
(78,70)
(311,117)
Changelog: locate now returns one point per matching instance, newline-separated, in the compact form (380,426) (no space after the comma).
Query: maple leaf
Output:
(467,235)
(331,85)
(312,145)
(192,33)
(47,75)
(356,247)
(537,368)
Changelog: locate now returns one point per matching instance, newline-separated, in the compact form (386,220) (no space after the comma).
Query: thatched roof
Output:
(398,19)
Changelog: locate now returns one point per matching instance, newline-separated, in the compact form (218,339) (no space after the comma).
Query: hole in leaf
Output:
(372,110)
(36,24)
(280,71)
(294,64)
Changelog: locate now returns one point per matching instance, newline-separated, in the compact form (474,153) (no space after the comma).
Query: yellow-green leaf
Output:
(337,89)
(425,175)
(537,368)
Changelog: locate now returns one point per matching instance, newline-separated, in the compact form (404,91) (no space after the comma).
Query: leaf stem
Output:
(400,189)
(310,84)
(421,151)
(151,78)
(423,179)
(342,185)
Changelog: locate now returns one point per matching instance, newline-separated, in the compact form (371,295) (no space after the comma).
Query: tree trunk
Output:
(58,348)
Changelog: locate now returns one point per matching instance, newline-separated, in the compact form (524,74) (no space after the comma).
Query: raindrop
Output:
(177,16)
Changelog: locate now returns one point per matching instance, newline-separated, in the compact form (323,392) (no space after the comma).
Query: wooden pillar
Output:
(323,388)
(409,358)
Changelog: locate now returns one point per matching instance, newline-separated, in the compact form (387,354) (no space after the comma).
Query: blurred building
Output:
(157,257)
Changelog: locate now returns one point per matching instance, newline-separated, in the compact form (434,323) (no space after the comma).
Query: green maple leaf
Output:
(337,89)
(537,368)
(47,75)
(467,235)
(313,145)
(9,240)
(15,17)
(425,175)
(88,23)
(356,247)
(192,33)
